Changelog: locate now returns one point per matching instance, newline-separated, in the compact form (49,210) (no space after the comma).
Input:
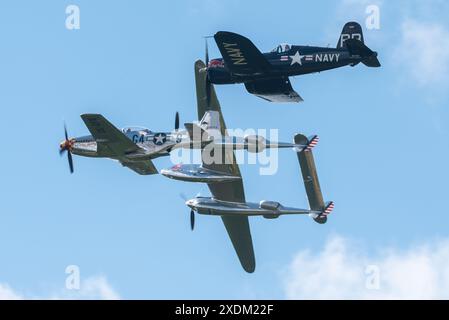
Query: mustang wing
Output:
(108,136)
(240,54)
(237,227)
(274,90)
(144,167)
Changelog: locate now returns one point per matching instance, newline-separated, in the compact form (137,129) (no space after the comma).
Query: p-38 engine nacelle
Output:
(272,206)
(255,143)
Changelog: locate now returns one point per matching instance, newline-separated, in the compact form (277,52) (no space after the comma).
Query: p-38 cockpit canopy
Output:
(134,129)
(283,47)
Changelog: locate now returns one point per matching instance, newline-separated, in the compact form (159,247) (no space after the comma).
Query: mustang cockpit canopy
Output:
(133,129)
(283,47)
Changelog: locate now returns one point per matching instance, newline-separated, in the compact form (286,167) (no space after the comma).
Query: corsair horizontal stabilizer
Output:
(358,48)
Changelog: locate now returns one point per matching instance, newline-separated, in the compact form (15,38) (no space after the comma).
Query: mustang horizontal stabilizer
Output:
(273,90)
(108,136)
(311,183)
(240,54)
(144,167)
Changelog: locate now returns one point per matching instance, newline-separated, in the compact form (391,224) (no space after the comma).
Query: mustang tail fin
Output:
(310,178)
(351,30)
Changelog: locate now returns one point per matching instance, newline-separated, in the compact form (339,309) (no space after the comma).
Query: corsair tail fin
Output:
(351,30)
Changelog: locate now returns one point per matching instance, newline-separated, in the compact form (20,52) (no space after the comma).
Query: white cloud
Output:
(355,9)
(6,293)
(92,288)
(339,272)
(96,287)
(423,52)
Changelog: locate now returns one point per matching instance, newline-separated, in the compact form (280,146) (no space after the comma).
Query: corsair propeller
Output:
(208,84)
(66,146)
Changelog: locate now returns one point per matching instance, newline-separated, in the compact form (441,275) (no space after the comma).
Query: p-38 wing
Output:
(113,143)
(243,59)
(237,227)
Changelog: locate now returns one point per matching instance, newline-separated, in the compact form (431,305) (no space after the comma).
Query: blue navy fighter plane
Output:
(266,75)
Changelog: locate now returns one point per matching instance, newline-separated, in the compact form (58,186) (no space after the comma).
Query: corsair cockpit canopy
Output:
(283,47)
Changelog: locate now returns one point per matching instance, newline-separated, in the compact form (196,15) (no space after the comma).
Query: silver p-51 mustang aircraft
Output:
(225,183)
(136,147)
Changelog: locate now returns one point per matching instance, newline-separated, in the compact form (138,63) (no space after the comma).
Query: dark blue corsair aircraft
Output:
(266,74)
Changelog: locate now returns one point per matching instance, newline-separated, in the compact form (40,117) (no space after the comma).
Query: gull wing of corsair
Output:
(226,186)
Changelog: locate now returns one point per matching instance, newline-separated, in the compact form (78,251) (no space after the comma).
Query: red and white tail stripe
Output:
(312,143)
(328,209)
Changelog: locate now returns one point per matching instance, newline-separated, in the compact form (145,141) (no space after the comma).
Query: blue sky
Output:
(382,156)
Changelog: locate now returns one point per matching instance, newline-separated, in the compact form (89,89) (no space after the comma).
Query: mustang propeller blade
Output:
(192,220)
(66,146)
(70,159)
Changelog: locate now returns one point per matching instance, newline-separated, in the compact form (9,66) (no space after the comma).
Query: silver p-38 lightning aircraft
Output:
(135,148)
(225,183)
